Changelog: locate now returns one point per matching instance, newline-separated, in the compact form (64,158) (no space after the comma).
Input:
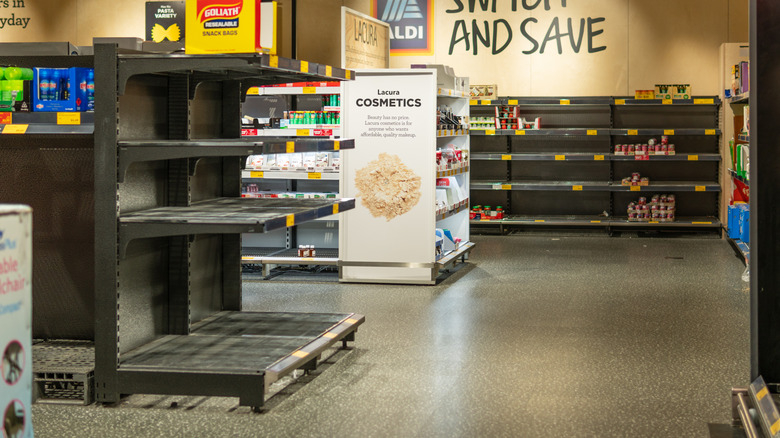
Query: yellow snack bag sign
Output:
(222,26)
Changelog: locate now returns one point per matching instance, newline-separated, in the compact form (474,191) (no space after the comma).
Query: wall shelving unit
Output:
(168,221)
(280,247)
(568,175)
(47,164)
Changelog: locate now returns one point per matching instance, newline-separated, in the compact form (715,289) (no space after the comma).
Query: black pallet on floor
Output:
(64,372)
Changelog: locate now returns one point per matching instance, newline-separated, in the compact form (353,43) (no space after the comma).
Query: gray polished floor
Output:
(537,336)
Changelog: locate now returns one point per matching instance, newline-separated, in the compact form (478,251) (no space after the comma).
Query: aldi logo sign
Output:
(411,25)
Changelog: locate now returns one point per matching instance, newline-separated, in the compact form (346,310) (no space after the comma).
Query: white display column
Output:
(390,236)
(16,321)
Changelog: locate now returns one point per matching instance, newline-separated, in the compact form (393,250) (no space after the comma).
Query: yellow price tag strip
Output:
(490,132)
(703,101)
(329,335)
(710,132)
(598,157)
(303,132)
(506,186)
(700,188)
(668,131)
(701,223)
(653,222)
(633,132)
(274,62)
(304,66)
(336,145)
(520,132)
(761,394)
(620,101)
(576,188)
(256,174)
(693,158)
(773,429)
(348,74)
(315,175)
(484,102)
(15,129)
(473,102)
(512,102)
(300,354)
(595,222)
(68,118)
(565,102)
(290,220)
(253,91)
(636,188)
(560,157)
(290,147)
(328,70)
(309,90)
(539,220)
(593,132)
(335,209)
(667,101)
(506,157)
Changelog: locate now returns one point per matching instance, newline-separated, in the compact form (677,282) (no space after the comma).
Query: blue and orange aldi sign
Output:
(411,25)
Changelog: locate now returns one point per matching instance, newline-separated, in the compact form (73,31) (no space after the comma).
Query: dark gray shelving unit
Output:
(168,222)
(567,174)
(49,166)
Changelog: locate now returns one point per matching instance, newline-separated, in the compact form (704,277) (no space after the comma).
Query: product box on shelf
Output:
(487,92)
(214,26)
(15,89)
(63,89)
(673,91)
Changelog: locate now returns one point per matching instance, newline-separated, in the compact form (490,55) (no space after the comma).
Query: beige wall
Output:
(648,41)
(78,21)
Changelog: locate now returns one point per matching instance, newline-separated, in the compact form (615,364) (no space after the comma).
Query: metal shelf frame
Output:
(569,169)
(168,243)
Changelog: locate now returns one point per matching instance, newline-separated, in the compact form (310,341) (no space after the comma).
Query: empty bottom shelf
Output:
(229,345)
(600,221)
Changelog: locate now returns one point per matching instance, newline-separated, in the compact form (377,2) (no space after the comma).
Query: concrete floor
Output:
(538,336)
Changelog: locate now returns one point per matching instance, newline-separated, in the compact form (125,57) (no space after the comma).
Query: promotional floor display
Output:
(410,175)
(16,321)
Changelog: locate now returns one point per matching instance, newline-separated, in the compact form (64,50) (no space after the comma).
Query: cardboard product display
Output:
(16,321)
(211,26)
(673,91)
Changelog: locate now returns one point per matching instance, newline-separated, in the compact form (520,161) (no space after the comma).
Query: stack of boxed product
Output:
(661,208)
(306,161)
(673,91)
